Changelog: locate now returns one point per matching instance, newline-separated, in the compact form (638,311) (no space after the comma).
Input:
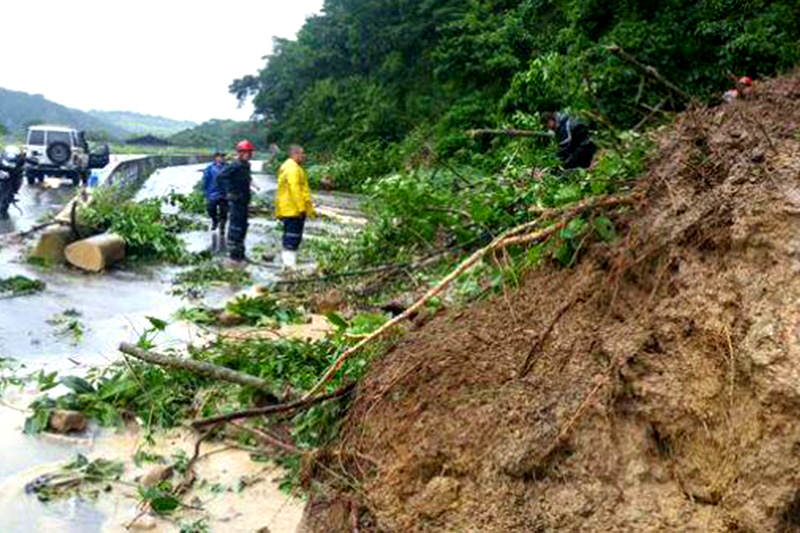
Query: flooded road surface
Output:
(36,204)
(113,307)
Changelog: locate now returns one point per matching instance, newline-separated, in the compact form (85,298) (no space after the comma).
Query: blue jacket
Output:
(211,187)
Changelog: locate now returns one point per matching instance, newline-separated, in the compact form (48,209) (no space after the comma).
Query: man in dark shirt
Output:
(575,146)
(235,180)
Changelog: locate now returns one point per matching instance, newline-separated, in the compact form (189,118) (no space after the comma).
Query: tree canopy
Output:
(383,73)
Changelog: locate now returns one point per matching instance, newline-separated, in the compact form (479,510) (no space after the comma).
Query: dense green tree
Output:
(391,73)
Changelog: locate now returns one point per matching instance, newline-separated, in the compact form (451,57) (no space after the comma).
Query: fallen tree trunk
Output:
(52,243)
(508,132)
(196,367)
(96,253)
(274,409)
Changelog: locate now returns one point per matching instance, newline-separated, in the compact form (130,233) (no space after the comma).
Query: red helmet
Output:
(245,146)
(747,81)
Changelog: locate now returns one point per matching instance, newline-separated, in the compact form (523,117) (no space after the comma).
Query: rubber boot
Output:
(289,259)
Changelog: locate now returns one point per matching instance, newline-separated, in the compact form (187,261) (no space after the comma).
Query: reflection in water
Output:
(219,242)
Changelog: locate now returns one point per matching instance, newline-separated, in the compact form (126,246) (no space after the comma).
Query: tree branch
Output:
(508,132)
(273,409)
(196,367)
(650,71)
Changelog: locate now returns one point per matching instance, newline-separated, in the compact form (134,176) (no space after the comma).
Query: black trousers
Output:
(237,228)
(217,210)
(293,232)
(581,157)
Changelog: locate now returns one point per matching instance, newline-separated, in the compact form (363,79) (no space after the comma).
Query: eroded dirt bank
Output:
(663,389)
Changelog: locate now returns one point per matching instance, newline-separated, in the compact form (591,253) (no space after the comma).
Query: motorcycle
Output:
(12,170)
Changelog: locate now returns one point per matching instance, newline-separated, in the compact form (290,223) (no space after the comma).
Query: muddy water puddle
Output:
(235,493)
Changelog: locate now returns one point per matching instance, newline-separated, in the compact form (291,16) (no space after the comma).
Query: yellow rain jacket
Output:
(293,198)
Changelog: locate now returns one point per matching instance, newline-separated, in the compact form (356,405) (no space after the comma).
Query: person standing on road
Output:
(293,204)
(216,203)
(236,182)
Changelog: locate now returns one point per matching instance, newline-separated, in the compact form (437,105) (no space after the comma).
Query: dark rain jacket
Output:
(575,146)
(235,181)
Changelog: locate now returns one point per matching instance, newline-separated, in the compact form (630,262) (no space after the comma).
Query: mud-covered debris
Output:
(81,477)
(64,421)
(692,314)
(19,286)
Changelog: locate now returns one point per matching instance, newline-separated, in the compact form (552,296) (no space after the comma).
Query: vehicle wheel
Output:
(40,178)
(58,152)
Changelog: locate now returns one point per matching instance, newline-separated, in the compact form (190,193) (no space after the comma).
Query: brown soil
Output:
(663,392)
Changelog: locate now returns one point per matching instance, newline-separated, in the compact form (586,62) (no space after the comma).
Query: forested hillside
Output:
(19,109)
(382,81)
(139,124)
(220,134)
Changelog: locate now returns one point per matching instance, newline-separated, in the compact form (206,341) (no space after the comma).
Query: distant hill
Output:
(139,124)
(19,109)
(220,134)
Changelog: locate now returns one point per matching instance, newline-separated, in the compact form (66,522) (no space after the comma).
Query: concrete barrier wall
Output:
(129,175)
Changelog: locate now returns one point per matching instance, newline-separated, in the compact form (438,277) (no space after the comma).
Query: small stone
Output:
(63,421)
(757,155)
(156,475)
(229,319)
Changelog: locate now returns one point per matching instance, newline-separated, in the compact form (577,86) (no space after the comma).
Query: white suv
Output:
(61,152)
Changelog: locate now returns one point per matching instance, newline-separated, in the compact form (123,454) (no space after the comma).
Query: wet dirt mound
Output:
(663,384)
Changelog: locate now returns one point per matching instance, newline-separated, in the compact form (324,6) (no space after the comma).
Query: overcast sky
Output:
(174,58)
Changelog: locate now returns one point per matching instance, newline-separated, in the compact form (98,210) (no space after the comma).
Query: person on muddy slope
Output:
(575,146)
(216,203)
(744,86)
(293,204)
(235,181)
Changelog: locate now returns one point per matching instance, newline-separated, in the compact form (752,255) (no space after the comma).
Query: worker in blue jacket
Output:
(216,202)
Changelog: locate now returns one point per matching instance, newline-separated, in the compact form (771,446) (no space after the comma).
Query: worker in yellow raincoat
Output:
(293,204)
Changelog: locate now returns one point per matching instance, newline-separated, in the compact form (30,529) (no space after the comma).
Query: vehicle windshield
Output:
(58,137)
(36,137)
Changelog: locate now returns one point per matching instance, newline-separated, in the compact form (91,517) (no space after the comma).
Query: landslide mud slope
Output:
(664,386)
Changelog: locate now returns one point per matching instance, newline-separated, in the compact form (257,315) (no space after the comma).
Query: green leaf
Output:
(37,422)
(605,228)
(164,504)
(77,384)
(157,323)
(336,320)
(573,229)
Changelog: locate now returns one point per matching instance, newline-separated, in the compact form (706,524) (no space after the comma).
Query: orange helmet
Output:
(747,81)
(245,146)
